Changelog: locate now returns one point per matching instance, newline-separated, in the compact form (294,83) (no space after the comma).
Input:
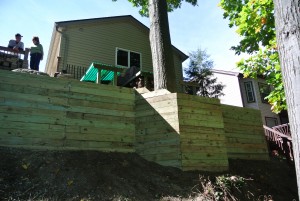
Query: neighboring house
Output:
(117,41)
(250,93)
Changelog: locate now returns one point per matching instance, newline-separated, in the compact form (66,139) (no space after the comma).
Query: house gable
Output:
(85,41)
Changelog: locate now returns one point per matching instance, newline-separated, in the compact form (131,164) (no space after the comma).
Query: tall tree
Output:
(161,48)
(199,72)
(287,22)
(254,20)
(160,40)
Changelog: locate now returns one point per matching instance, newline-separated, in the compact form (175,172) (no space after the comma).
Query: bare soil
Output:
(91,175)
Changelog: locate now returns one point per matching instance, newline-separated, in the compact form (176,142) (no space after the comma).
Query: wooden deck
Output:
(10,60)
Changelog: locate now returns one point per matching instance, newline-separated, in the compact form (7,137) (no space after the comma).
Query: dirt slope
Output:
(91,175)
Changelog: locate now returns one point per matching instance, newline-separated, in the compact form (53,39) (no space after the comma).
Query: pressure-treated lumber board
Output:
(249,156)
(112,137)
(16,132)
(32,126)
(203,156)
(101,146)
(30,141)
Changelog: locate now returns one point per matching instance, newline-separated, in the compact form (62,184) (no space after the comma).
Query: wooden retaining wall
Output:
(172,129)
(43,112)
(202,137)
(245,137)
(157,128)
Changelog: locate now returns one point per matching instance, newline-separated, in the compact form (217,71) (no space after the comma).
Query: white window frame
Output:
(251,90)
(128,57)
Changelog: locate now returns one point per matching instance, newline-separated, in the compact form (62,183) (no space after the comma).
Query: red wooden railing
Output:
(279,138)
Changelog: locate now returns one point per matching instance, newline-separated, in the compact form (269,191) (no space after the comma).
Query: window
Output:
(264,91)
(271,121)
(249,92)
(127,58)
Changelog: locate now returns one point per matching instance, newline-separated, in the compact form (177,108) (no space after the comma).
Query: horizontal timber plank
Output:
(250,140)
(56,120)
(206,168)
(104,91)
(101,105)
(153,112)
(99,124)
(205,162)
(99,117)
(204,156)
(156,137)
(30,111)
(100,137)
(100,98)
(104,131)
(30,141)
(202,149)
(197,105)
(199,129)
(19,97)
(249,156)
(82,144)
(202,142)
(197,110)
(101,111)
(256,122)
(15,132)
(202,123)
(32,126)
(155,150)
(159,143)
(13,102)
(182,96)
(208,117)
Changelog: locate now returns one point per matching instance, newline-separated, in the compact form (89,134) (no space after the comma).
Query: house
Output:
(115,41)
(249,93)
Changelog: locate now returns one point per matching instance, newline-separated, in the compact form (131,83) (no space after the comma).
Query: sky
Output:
(191,27)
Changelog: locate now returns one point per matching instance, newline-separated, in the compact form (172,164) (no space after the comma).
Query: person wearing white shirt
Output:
(16,44)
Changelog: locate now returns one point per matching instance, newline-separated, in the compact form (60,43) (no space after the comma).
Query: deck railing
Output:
(76,71)
(10,59)
(280,138)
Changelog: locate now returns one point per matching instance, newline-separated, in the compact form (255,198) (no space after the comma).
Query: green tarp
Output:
(91,74)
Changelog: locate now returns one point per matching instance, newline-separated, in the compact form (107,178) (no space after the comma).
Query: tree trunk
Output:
(161,48)
(287,23)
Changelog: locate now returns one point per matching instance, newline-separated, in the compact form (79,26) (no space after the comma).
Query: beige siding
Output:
(98,42)
(83,43)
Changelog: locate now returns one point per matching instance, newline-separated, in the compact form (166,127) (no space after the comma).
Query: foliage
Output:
(255,22)
(172,5)
(200,72)
(266,65)
(222,188)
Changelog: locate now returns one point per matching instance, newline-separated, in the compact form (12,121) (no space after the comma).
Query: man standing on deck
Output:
(16,44)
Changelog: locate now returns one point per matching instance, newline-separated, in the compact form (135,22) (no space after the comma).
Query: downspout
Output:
(239,75)
(63,60)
